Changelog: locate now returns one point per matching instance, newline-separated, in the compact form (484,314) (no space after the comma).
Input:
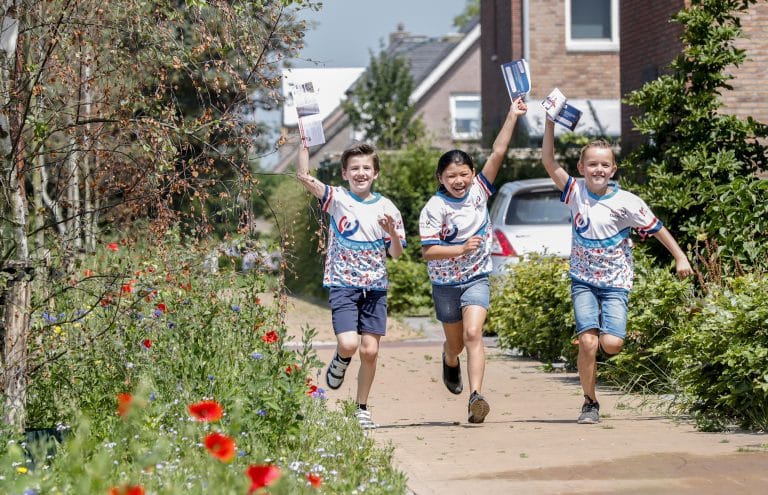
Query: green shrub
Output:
(410,291)
(531,310)
(658,304)
(719,357)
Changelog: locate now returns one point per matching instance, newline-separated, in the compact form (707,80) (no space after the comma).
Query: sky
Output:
(347,30)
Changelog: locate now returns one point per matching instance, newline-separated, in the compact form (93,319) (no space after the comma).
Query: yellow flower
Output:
(21,470)
(57,329)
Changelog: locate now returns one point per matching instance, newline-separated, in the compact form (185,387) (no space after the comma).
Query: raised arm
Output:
(553,168)
(311,184)
(682,265)
(501,143)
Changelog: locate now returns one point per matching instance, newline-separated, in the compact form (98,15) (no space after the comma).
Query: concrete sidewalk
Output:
(530,442)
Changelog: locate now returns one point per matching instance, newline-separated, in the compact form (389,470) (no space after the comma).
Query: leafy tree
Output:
(113,112)
(471,10)
(702,167)
(380,105)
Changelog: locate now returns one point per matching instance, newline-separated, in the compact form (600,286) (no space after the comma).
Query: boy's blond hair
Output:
(597,143)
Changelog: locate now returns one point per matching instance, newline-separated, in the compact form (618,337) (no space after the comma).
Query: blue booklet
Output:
(557,108)
(517,77)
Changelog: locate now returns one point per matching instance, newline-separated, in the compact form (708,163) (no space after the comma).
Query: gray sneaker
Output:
(590,412)
(478,408)
(334,375)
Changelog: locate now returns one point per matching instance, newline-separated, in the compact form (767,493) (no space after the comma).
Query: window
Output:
(592,25)
(465,117)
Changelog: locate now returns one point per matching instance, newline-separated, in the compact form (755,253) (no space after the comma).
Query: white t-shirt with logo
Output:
(446,221)
(601,249)
(357,244)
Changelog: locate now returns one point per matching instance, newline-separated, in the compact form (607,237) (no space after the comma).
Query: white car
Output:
(528,217)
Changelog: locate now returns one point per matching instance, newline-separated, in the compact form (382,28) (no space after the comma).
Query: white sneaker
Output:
(334,375)
(364,418)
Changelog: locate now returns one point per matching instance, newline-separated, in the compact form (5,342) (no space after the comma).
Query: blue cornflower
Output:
(257,355)
(235,308)
(49,318)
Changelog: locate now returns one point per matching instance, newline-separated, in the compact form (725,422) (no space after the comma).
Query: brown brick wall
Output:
(750,87)
(649,42)
(578,74)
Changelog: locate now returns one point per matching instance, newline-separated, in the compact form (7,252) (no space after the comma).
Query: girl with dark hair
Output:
(456,240)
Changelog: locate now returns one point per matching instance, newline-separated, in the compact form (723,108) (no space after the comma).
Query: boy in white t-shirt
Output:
(363,227)
(601,266)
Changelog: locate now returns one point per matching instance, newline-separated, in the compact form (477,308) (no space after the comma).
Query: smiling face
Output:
(456,178)
(597,165)
(360,173)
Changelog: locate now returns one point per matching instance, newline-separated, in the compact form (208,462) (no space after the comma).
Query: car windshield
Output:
(537,207)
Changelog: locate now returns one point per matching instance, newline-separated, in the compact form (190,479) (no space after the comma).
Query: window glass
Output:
(466,116)
(591,19)
(537,207)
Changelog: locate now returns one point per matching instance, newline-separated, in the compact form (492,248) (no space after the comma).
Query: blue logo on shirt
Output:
(580,224)
(448,234)
(346,228)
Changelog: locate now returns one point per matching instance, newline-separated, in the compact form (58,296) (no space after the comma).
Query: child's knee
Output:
(611,345)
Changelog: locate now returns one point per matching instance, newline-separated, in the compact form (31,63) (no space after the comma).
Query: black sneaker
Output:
(452,377)
(334,375)
(478,408)
(590,412)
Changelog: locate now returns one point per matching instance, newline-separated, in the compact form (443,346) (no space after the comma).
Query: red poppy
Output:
(147,343)
(124,401)
(127,490)
(126,289)
(162,307)
(257,301)
(262,475)
(88,272)
(220,446)
(270,337)
(312,389)
(112,246)
(206,410)
(314,479)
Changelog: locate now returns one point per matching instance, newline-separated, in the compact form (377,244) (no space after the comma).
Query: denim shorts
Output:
(600,308)
(450,299)
(358,310)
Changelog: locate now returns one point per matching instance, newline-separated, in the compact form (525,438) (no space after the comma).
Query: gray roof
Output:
(422,53)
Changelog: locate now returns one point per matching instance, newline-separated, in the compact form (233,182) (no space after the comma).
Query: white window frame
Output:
(597,44)
(465,136)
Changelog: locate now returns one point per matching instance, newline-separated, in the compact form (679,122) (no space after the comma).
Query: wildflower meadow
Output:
(152,374)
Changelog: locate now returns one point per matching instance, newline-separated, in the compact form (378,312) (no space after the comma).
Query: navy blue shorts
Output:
(358,310)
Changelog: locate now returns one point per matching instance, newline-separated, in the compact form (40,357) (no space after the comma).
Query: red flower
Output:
(147,343)
(126,288)
(270,337)
(262,475)
(88,272)
(220,446)
(312,389)
(124,401)
(207,410)
(314,479)
(162,307)
(112,246)
(127,490)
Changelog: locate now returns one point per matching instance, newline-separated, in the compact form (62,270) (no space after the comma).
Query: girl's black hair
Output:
(454,156)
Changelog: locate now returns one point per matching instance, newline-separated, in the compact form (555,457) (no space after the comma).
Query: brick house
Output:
(650,41)
(446,95)
(569,44)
